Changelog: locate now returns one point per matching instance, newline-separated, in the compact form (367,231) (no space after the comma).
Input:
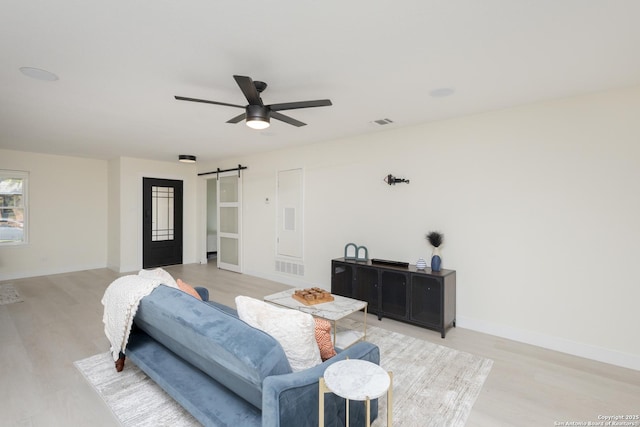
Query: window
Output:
(162,213)
(13,207)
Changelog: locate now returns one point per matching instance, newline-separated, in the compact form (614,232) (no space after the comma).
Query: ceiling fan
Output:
(257,114)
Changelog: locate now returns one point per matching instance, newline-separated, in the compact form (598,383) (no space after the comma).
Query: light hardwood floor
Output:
(60,322)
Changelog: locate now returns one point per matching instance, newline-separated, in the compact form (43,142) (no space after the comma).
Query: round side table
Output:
(355,379)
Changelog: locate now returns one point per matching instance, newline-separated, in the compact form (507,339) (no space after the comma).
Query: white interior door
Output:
(229,197)
(290,237)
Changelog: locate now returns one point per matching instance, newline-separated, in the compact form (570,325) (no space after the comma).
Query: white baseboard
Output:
(588,351)
(293,281)
(48,271)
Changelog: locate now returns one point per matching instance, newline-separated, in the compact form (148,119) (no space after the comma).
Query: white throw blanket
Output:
(121,301)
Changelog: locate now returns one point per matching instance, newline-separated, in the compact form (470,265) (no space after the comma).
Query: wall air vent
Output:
(288,267)
(382,122)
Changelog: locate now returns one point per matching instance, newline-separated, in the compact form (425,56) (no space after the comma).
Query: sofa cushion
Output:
(294,330)
(225,348)
(207,400)
(224,308)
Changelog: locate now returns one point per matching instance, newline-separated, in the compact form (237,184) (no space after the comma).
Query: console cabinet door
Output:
(366,287)
(393,287)
(342,279)
(426,300)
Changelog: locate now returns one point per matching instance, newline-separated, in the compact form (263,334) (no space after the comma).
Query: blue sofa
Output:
(227,373)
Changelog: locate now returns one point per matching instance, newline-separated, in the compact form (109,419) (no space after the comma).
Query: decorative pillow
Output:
(293,329)
(159,274)
(323,338)
(185,287)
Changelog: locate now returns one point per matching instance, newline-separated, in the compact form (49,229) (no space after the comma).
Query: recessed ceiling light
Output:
(441,92)
(38,74)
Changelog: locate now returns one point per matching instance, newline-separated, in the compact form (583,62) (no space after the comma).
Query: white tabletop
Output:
(334,310)
(357,379)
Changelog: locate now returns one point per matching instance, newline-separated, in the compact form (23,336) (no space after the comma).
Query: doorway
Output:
(161,222)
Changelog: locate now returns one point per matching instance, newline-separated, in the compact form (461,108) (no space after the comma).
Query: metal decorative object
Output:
(392,180)
(357,254)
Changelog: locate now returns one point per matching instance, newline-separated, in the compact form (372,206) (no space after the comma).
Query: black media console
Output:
(420,297)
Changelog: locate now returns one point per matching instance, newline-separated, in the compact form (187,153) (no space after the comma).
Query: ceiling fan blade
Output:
(249,90)
(286,119)
(300,104)
(238,118)
(182,98)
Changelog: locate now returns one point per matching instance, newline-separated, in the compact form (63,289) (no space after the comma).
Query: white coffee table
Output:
(333,311)
(355,379)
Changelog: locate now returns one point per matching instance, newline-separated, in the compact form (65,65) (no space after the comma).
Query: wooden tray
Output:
(325,297)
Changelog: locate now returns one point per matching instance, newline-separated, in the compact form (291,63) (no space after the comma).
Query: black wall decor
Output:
(392,180)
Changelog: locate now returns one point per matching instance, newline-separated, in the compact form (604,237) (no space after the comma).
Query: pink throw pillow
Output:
(323,337)
(185,287)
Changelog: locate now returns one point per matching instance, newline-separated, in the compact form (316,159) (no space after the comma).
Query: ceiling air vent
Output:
(382,122)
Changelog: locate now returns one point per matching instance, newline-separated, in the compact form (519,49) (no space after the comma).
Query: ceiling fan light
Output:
(258,117)
(258,123)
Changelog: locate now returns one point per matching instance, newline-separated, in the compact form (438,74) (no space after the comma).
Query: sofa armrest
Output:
(292,399)
(203,292)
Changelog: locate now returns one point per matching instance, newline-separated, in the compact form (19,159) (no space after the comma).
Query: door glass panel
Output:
(228,219)
(290,219)
(229,222)
(162,226)
(228,250)
(228,189)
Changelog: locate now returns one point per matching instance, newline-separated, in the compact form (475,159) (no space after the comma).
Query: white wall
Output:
(538,205)
(67,215)
(86,213)
(113,242)
(130,201)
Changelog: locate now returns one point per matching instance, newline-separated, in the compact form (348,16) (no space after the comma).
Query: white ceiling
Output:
(120,63)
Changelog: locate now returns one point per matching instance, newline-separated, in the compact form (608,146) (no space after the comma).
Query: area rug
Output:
(432,385)
(8,294)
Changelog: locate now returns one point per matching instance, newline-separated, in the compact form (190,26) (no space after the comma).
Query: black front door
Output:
(161,222)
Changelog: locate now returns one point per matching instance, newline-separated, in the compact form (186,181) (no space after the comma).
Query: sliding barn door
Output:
(230,221)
